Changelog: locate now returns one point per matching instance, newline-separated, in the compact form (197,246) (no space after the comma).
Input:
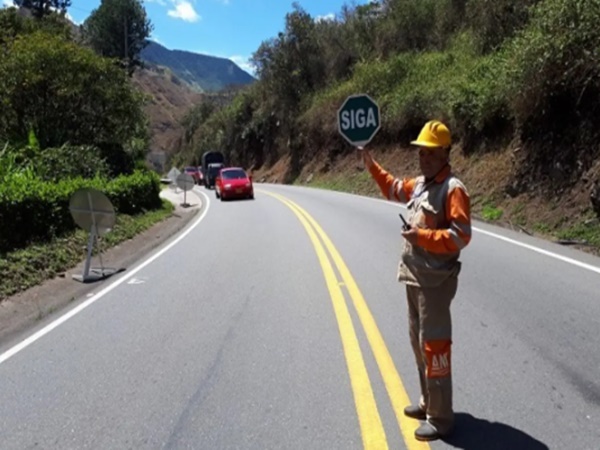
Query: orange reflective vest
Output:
(441,211)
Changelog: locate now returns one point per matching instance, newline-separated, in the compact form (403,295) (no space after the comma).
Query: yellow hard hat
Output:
(434,134)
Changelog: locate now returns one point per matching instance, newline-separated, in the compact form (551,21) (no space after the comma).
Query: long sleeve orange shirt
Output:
(456,232)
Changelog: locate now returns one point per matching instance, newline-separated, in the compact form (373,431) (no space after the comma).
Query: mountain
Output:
(202,72)
(175,81)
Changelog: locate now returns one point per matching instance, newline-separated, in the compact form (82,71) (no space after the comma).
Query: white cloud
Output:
(184,10)
(7,3)
(327,17)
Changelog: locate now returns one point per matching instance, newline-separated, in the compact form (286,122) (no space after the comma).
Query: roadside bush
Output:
(553,82)
(378,79)
(119,161)
(458,86)
(10,162)
(70,161)
(35,210)
(554,65)
(135,193)
(492,22)
(411,25)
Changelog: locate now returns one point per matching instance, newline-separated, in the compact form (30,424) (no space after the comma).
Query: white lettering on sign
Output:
(358,119)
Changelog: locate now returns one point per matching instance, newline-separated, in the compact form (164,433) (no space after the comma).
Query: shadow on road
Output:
(471,433)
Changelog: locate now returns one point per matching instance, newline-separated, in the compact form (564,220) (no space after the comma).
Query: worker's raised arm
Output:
(392,188)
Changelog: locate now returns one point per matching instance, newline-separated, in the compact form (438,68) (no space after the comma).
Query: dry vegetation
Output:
(169,100)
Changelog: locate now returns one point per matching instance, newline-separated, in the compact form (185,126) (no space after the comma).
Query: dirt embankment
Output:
(168,100)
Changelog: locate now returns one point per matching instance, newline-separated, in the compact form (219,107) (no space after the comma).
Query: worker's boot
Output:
(427,432)
(415,412)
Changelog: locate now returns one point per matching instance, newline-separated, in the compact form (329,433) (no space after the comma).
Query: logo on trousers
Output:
(439,366)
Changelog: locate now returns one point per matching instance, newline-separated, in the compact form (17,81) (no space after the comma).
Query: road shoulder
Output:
(22,311)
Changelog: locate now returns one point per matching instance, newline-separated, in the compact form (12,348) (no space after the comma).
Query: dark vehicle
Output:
(211,158)
(213,173)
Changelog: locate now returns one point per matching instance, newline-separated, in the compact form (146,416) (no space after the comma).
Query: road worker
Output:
(438,228)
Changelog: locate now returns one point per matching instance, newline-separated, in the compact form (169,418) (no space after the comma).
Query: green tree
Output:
(291,65)
(41,8)
(65,93)
(553,68)
(12,24)
(194,118)
(119,29)
(338,51)
(495,21)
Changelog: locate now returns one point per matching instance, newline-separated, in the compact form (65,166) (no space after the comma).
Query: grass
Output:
(588,233)
(28,267)
(491,213)
(517,214)
(542,228)
(354,183)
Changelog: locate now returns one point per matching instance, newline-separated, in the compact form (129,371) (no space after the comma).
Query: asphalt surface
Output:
(229,337)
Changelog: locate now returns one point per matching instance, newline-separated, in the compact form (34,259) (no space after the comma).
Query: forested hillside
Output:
(518,83)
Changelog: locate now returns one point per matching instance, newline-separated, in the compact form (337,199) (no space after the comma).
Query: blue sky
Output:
(228,28)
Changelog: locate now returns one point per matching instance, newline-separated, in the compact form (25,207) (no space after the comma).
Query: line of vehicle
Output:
(392,381)
(62,319)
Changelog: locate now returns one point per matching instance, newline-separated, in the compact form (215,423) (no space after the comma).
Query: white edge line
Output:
(541,251)
(51,326)
(533,248)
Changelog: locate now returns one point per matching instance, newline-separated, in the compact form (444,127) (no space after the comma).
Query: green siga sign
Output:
(358,119)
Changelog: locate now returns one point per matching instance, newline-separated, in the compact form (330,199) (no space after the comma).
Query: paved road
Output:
(278,323)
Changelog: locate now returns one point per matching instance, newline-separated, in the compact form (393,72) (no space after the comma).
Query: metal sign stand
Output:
(96,273)
(93,212)
(186,183)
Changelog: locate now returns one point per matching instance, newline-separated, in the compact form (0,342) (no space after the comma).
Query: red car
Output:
(233,182)
(193,171)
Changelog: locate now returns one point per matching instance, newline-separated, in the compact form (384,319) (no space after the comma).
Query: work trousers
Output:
(430,327)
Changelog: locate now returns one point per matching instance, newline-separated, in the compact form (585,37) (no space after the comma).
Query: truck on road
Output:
(215,160)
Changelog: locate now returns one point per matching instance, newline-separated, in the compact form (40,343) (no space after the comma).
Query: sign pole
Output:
(88,260)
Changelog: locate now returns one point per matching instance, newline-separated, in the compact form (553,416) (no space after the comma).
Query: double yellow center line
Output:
(371,426)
